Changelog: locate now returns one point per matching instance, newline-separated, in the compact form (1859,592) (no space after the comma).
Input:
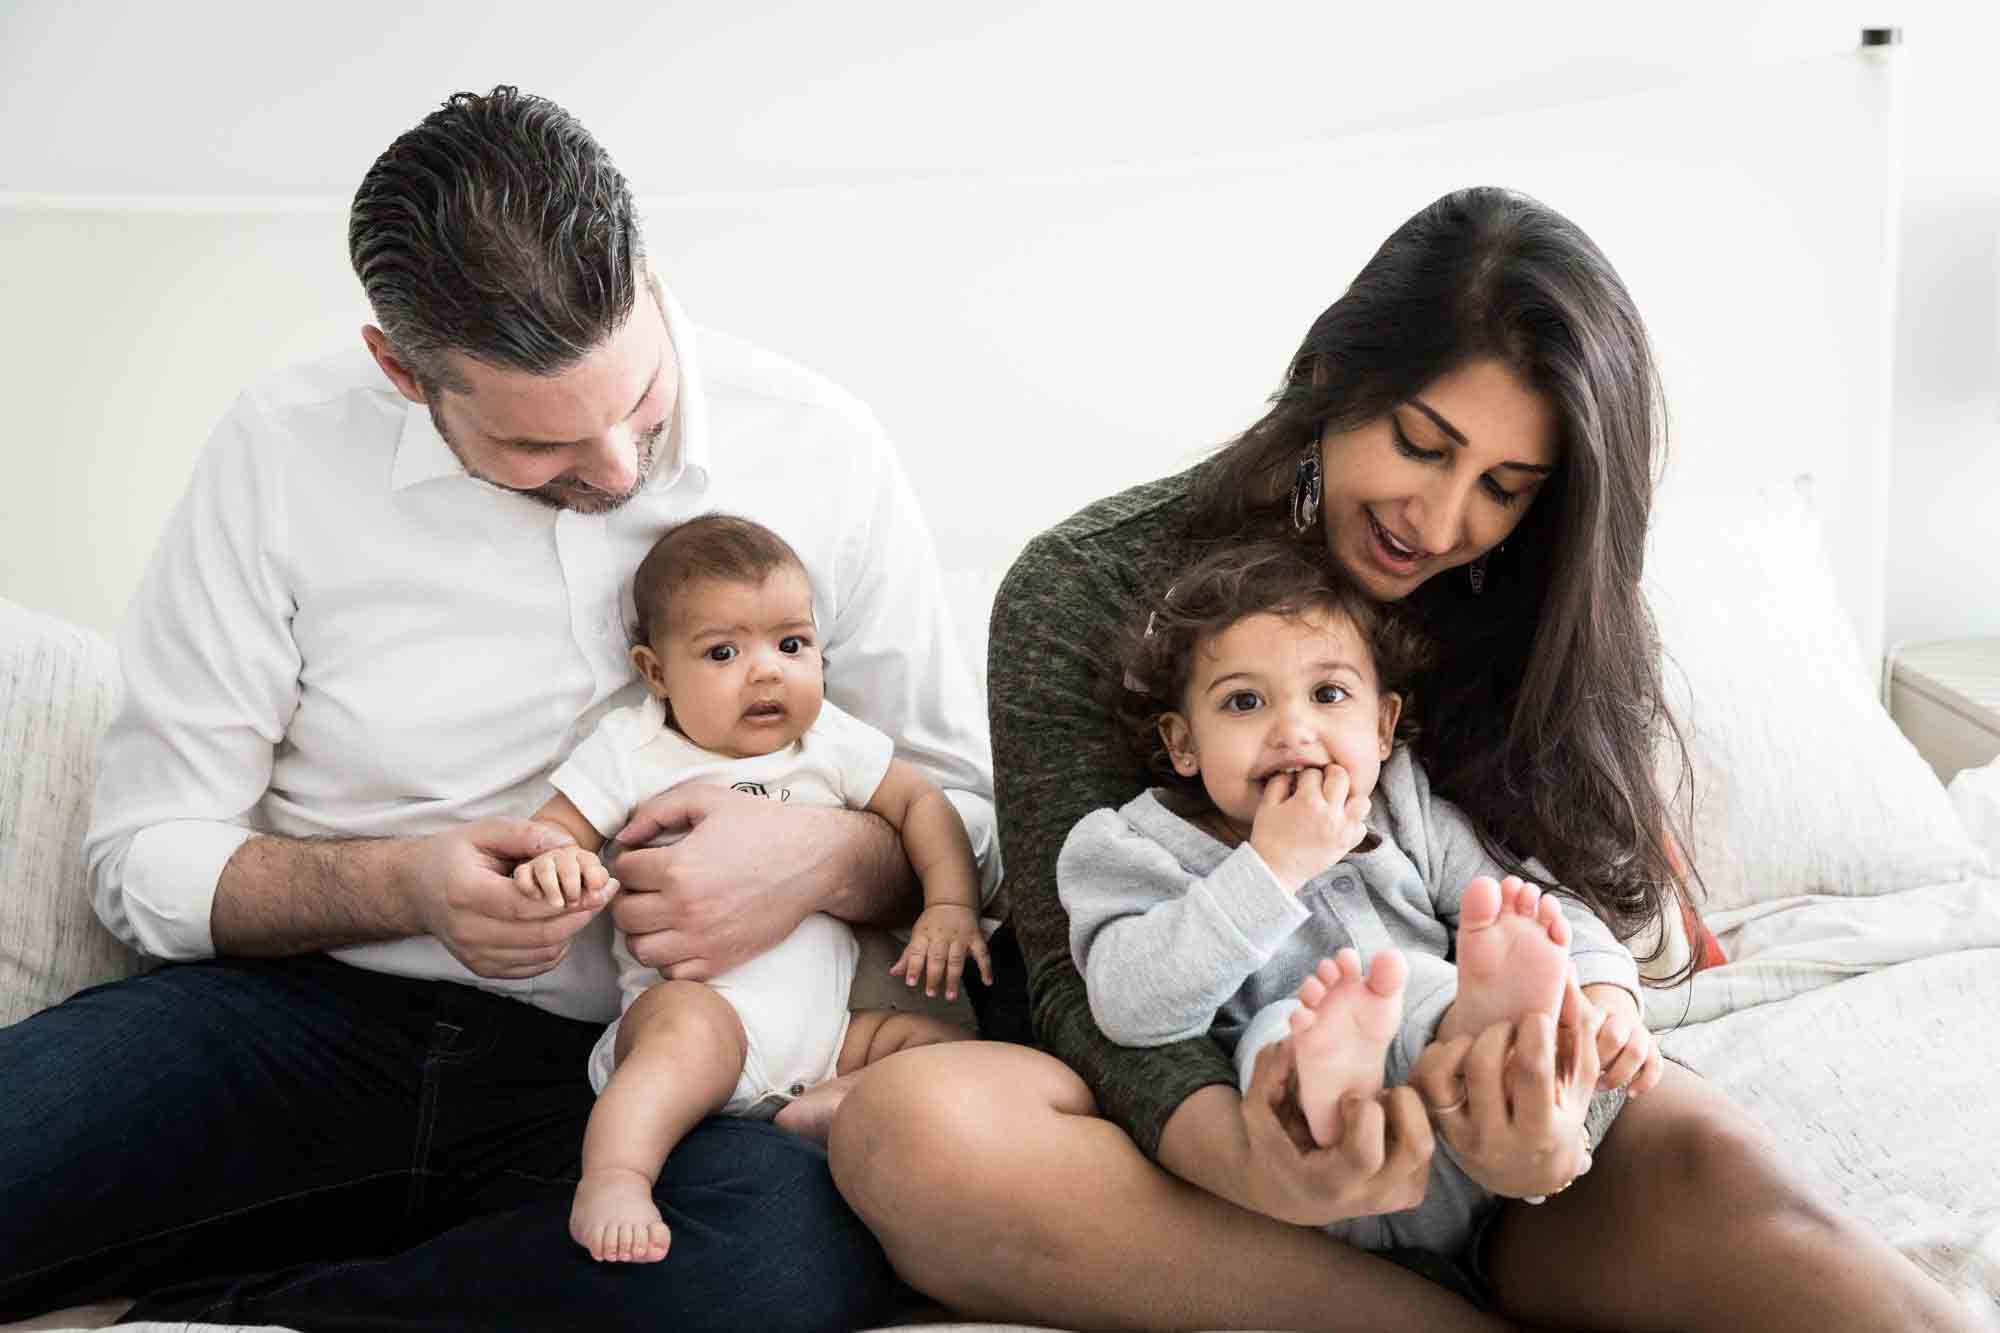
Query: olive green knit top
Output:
(1058,755)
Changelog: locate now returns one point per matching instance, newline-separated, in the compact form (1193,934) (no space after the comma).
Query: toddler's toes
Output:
(1312,993)
(1387,971)
(1480,906)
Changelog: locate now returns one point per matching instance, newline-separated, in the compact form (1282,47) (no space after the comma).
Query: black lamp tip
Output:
(1881,36)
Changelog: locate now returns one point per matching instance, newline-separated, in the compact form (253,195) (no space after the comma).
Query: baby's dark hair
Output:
(1156,654)
(714,546)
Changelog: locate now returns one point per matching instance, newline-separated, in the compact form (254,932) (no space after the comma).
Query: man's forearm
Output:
(280,896)
(870,880)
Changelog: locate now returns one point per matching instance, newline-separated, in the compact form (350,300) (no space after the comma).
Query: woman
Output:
(1471,427)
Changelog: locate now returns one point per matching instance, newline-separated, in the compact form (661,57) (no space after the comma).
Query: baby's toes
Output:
(1549,912)
(1312,992)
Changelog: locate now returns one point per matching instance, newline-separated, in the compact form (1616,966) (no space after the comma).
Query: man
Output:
(396,593)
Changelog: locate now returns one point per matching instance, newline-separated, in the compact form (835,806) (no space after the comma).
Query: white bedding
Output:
(1882,1088)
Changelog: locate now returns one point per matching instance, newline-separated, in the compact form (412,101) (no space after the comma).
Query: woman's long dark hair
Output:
(1545,707)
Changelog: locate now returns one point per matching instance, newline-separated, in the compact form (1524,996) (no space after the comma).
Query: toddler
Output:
(730,656)
(1295,841)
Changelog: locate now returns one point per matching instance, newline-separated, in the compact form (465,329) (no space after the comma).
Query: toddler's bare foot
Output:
(1513,956)
(810,1115)
(1341,1036)
(615,1218)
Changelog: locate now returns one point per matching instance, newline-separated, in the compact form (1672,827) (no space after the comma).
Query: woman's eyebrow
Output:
(1458,438)
(1457,435)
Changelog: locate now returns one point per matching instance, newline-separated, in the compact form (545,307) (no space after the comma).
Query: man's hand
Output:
(1257,1152)
(1306,821)
(460,885)
(748,871)
(1630,1056)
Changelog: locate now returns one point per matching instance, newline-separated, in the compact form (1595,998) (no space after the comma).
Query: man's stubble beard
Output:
(575,496)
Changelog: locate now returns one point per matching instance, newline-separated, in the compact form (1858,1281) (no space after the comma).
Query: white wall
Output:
(140,106)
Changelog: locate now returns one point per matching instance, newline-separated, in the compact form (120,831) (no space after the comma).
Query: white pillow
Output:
(58,689)
(1802,783)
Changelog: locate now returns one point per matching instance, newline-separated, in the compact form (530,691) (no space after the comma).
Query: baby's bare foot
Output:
(615,1218)
(1342,1034)
(810,1115)
(1513,956)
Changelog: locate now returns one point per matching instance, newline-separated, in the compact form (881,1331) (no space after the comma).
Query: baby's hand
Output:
(943,935)
(562,875)
(1626,1050)
(1307,821)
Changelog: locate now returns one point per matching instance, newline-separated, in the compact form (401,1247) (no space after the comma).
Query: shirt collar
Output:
(422,454)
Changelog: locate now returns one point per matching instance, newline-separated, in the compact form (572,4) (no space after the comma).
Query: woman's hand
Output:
(1256,1151)
(1511,1101)
(1626,1050)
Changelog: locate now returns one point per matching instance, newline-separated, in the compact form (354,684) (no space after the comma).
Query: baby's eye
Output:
(721,652)
(793,644)
(1329,694)
(1242,701)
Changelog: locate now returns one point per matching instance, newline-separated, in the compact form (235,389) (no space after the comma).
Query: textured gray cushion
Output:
(59,686)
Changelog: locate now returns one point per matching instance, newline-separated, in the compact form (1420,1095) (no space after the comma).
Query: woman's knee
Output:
(928,1148)
(1714,1153)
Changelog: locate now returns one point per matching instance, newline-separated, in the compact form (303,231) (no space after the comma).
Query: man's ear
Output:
(1390,709)
(1179,738)
(392,363)
(647,663)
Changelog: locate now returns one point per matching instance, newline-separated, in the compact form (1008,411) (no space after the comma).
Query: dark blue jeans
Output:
(304,1143)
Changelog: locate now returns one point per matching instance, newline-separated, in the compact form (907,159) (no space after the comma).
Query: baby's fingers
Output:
(934,965)
(570,876)
(1650,1070)
(546,878)
(954,968)
(982,955)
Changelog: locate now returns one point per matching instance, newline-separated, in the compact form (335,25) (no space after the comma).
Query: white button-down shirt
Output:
(344,634)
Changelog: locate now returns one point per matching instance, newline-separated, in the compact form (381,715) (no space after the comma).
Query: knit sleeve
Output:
(1057,757)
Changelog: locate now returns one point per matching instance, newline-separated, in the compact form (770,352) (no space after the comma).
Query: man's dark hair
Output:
(499,229)
(723,547)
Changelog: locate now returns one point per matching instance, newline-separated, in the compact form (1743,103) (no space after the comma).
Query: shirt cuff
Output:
(591,800)
(170,874)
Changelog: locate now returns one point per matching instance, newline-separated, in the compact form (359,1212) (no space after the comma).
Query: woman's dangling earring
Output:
(1476,572)
(1305,488)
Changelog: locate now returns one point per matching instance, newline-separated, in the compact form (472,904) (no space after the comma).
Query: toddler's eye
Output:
(792,645)
(721,652)
(1329,694)
(1242,701)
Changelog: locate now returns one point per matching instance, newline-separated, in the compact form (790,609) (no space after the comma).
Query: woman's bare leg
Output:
(997,1191)
(1689,1220)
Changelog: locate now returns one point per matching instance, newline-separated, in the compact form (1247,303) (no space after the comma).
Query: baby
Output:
(1295,840)
(730,656)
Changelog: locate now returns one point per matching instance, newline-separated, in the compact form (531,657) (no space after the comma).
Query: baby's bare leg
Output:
(680,1052)
(872,1035)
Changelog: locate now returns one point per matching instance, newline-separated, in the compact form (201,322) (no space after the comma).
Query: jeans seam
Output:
(540,1180)
(313,1276)
(212,1217)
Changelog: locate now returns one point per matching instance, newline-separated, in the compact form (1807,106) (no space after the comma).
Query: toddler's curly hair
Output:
(1156,652)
